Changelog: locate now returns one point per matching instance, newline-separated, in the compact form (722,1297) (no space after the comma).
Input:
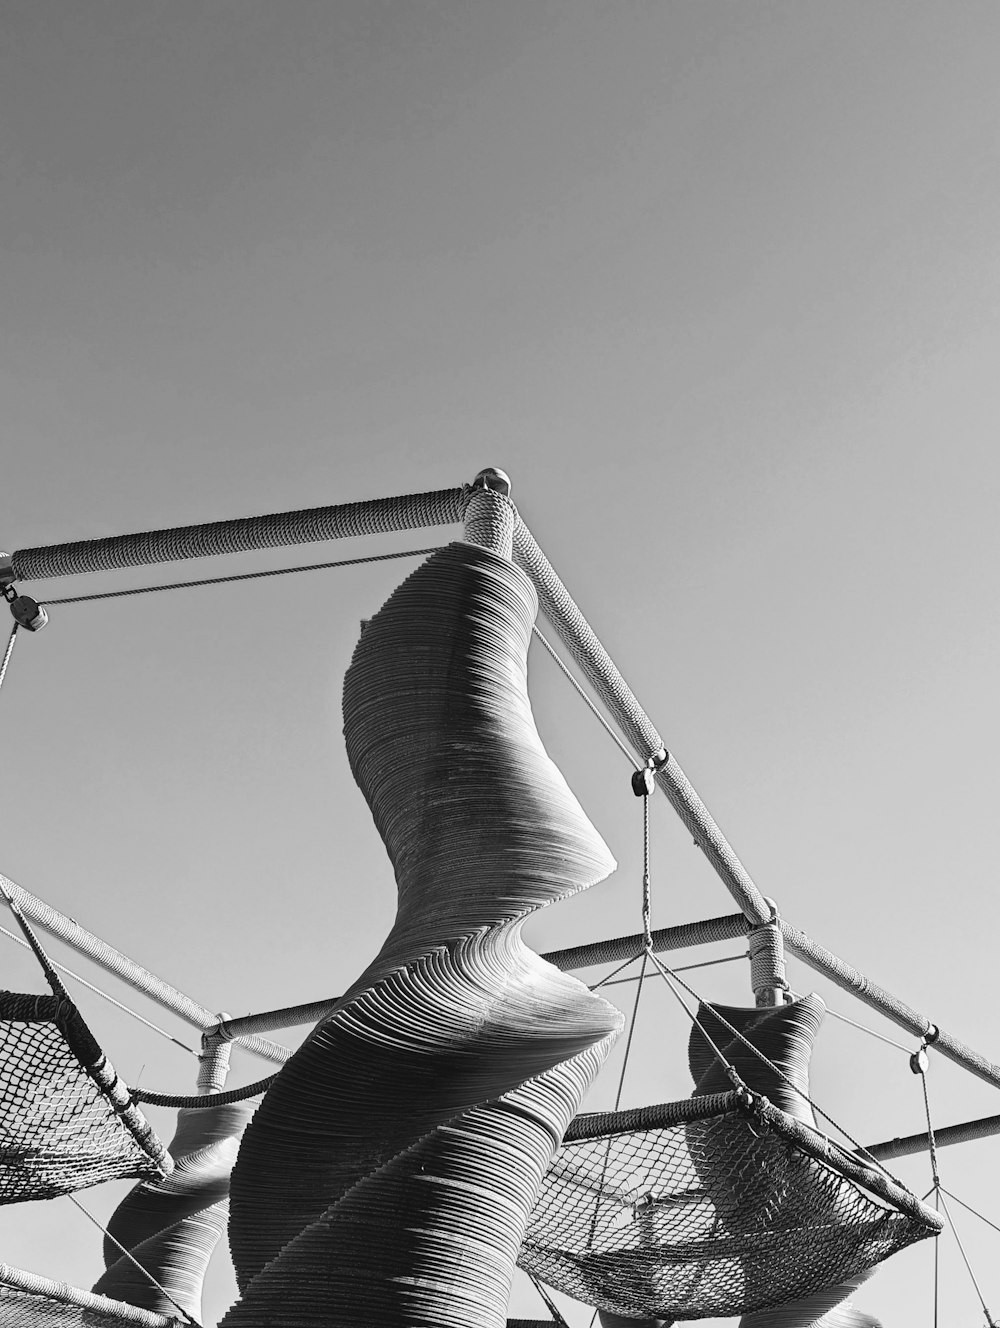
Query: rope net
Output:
(30,1301)
(718,1205)
(66,1119)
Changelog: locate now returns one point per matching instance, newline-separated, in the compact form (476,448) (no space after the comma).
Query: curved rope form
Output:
(785,1034)
(389,1172)
(830,1304)
(172,1228)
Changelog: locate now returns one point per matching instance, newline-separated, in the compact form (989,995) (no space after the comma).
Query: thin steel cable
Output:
(607,982)
(240,576)
(132,1259)
(771,1066)
(631,1031)
(683,968)
(8,652)
(587,701)
(969,1209)
(965,1258)
(550,1304)
(104,996)
(863,1028)
(937,1261)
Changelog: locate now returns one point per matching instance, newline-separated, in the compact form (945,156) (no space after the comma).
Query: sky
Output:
(717,284)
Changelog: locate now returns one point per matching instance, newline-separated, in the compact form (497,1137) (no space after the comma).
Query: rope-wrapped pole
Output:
(161,1237)
(854,981)
(580,638)
(613,951)
(377,516)
(17,1286)
(967,1131)
(137,977)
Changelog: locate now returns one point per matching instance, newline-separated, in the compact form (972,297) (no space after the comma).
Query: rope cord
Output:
(104,996)
(550,1304)
(203,1100)
(665,971)
(132,1259)
(8,652)
(586,699)
(935,1175)
(647,930)
(965,1258)
(241,576)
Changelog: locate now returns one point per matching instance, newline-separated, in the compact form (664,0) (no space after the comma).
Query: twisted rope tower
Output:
(388,1176)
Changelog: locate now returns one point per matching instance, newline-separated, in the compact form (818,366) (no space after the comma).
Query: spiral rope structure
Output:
(786,1035)
(389,1173)
(172,1228)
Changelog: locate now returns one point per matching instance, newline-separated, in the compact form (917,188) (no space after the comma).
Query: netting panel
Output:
(62,1128)
(22,1309)
(704,1218)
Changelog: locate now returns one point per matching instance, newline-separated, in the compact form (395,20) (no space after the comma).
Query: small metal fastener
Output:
(492,478)
(919,1062)
(643,782)
(28,613)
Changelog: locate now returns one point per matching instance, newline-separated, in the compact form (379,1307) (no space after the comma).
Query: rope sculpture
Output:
(785,1035)
(172,1228)
(30,1301)
(389,1173)
(66,1119)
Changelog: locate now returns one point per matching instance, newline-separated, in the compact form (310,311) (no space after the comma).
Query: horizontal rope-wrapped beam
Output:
(965,1132)
(615,951)
(377,516)
(853,980)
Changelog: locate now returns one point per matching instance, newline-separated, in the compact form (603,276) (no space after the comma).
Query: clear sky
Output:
(716,283)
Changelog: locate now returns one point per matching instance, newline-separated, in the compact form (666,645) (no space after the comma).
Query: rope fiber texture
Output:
(389,1173)
(30,1301)
(375,517)
(723,1204)
(66,1120)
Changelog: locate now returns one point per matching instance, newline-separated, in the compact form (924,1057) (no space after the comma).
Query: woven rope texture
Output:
(172,1228)
(66,1119)
(703,1208)
(389,1172)
(379,516)
(29,1301)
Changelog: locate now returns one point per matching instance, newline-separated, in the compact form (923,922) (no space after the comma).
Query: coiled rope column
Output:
(172,1228)
(389,1173)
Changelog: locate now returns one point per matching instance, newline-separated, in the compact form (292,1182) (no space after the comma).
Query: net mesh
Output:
(710,1207)
(66,1119)
(30,1301)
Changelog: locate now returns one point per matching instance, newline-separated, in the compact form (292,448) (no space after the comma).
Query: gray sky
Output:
(716,283)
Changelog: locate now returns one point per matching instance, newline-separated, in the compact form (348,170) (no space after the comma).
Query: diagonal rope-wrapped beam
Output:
(389,1173)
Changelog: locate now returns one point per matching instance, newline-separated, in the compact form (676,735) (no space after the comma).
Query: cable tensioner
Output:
(25,611)
(644,779)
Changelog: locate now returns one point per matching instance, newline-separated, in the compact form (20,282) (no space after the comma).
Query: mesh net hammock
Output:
(66,1120)
(713,1206)
(29,1301)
